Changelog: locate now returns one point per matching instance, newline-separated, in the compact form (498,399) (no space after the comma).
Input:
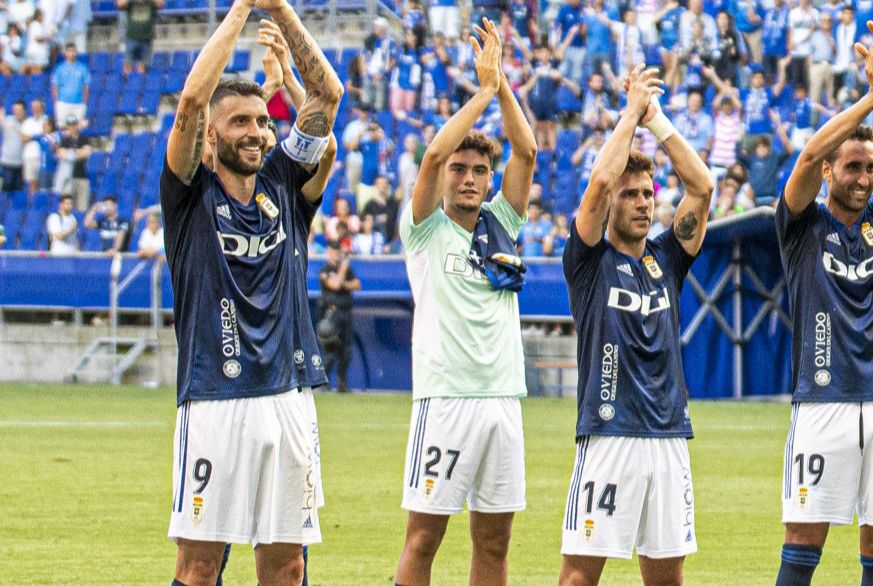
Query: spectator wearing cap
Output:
(113,229)
(802,21)
(748,16)
(821,72)
(71,177)
(151,240)
(31,129)
(141,18)
(71,84)
(12,149)
(380,56)
(774,36)
(445,18)
(62,228)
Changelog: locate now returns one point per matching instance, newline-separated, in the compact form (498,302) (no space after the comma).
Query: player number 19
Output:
(815,467)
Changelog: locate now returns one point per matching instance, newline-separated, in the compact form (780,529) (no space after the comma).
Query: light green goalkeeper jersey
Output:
(466,337)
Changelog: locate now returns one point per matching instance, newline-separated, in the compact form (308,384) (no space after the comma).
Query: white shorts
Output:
(247,470)
(828,468)
(30,171)
(465,449)
(627,492)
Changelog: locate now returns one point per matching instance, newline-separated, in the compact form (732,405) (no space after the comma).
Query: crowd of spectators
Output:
(747,83)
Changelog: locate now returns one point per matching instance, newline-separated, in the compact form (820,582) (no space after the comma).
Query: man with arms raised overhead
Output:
(631,483)
(827,253)
(246,466)
(466,439)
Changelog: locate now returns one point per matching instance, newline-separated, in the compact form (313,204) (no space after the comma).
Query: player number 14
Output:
(606,502)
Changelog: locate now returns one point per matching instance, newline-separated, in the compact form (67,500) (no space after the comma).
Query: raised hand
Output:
(488,57)
(270,4)
(867,54)
(641,86)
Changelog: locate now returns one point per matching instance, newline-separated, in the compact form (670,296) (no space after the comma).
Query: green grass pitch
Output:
(85,493)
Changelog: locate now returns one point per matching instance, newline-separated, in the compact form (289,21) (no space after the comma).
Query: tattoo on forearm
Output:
(315,124)
(181,122)
(687,228)
(198,146)
(311,68)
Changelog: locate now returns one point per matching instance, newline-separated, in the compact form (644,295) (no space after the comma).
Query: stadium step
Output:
(116,356)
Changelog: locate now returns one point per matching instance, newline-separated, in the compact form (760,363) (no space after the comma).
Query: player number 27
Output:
(815,467)
(435,455)
(606,502)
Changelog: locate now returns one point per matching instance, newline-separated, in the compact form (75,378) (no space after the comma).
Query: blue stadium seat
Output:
(239,62)
(38,83)
(167,122)
(160,61)
(568,140)
(181,61)
(123,144)
(12,225)
(42,201)
(92,242)
(116,62)
(19,200)
(128,104)
(149,102)
(143,142)
(96,162)
(100,62)
(33,223)
(174,82)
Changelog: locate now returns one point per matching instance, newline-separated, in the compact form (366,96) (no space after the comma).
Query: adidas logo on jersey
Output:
(834,238)
(626,269)
(223,210)
(307,524)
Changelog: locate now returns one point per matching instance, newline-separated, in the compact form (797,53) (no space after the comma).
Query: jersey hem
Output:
(797,401)
(670,553)
(596,551)
(228,395)
(417,397)
(818,519)
(495,510)
(639,435)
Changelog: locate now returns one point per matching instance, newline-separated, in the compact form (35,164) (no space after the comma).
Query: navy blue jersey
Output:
(829,272)
(239,284)
(626,312)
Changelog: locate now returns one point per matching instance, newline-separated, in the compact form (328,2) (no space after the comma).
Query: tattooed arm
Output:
(185,144)
(693,210)
(323,88)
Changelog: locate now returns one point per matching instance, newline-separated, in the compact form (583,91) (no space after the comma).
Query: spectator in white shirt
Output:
(62,228)
(802,22)
(31,130)
(11,50)
(20,12)
(151,241)
(36,55)
(844,38)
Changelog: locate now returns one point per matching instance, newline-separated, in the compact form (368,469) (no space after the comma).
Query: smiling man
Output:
(631,484)
(827,253)
(246,462)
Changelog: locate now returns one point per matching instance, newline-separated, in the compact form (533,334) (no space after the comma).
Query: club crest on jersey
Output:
(232,369)
(197,510)
(606,412)
(652,267)
(803,498)
(267,206)
(428,488)
(867,233)
(589,530)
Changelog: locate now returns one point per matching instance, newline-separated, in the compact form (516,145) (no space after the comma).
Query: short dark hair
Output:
(21,103)
(234,87)
(70,46)
(65,196)
(476,141)
(638,162)
(863,133)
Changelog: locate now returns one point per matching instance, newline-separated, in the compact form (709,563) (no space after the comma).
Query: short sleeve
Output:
(288,173)
(416,237)
(53,225)
(176,200)
(505,214)
(679,259)
(789,227)
(580,260)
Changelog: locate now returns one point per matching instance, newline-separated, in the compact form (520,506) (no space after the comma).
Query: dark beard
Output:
(230,158)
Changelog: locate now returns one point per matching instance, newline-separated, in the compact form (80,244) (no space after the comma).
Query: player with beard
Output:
(246,464)
(631,483)
(466,441)
(827,253)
